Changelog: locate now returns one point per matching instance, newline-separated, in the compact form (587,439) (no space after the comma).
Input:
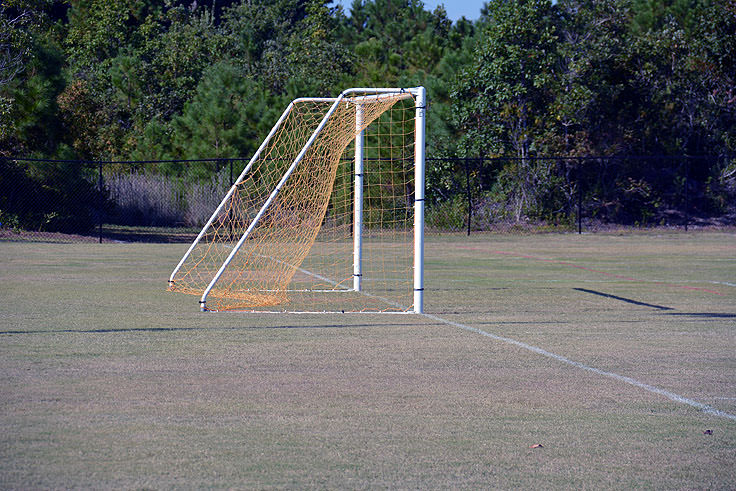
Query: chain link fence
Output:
(169,201)
(69,201)
(581,194)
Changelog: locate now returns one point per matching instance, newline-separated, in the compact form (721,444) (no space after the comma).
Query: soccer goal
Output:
(327,216)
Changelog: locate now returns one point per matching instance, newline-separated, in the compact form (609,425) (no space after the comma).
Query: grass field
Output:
(614,352)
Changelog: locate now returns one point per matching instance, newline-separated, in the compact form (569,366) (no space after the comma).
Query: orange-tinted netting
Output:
(299,254)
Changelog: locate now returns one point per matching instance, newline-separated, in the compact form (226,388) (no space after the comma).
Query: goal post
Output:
(358,200)
(419,185)
(327,216)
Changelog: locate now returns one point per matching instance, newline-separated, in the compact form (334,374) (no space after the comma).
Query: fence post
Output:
(687,192)
(580,196)
(230,210)
(467,190)
(99,200)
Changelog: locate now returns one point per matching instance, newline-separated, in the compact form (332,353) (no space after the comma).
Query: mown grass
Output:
(107,380)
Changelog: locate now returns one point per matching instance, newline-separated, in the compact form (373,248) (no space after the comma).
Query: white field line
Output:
(722,283)
(366,294)
(338,288)
(621,378)
(318,276)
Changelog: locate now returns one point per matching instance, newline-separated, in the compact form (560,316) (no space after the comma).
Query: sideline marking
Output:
(621,378)
(723,283)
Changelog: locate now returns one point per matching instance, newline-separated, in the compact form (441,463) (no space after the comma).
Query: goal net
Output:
(326,217)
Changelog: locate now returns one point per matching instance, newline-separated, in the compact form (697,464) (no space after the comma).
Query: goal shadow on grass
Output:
(706,315)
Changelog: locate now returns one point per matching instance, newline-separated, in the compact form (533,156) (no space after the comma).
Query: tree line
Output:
(189,79)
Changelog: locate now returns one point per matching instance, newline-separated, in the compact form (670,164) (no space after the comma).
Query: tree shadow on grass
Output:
(183,329)
(623,299)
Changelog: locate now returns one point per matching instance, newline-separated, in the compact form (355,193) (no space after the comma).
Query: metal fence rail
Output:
(168,201)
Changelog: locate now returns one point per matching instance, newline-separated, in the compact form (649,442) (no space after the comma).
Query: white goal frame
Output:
(420,98)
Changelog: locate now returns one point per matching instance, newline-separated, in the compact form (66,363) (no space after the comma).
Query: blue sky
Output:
(455,8)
